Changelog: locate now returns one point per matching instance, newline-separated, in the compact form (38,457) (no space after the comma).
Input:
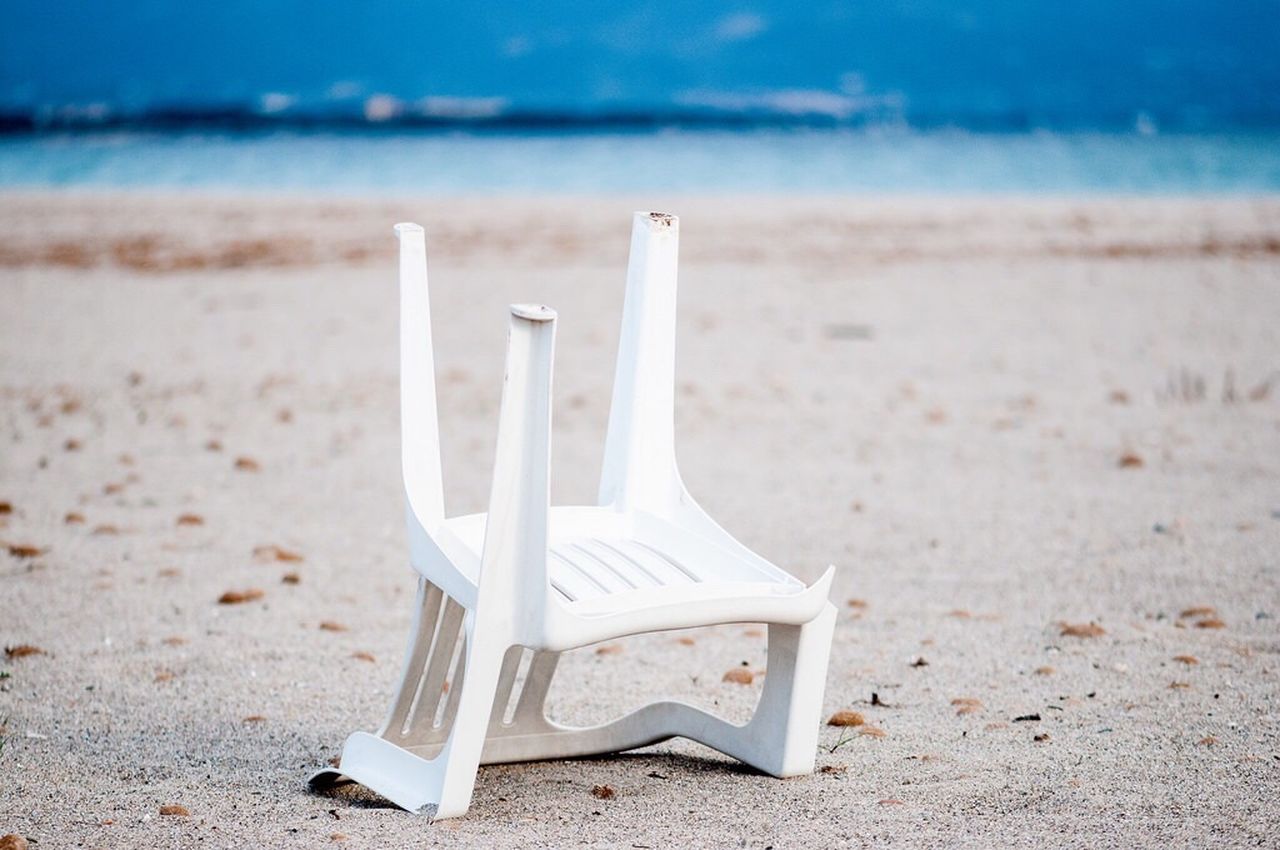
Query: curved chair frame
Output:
(501,594)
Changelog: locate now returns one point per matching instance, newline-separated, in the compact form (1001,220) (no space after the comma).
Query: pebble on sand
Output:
(1082,630)
(236,597)
(276,553)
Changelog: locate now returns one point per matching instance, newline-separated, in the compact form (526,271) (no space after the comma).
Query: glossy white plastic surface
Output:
(501,594)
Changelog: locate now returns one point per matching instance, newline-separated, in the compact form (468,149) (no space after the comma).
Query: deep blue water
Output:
(816,161)
(1187,65)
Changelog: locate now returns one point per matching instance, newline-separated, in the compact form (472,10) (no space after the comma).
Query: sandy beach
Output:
(1040,439)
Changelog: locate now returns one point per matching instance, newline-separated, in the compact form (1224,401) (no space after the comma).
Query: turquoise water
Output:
(816,161)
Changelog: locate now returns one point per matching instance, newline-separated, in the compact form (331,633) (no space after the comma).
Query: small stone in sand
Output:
(1130,460)
(364,656)
(247,464)
(846,718)
(254,718)
(22,650)
(174,810)
(1082,630)
(1186,659)
(73,518)
(1045,671)
(1042,738)
(190,519)
(686,641)
(6,508)
(1210,623)
(276,553)
(291,578)
(609,649)
(739,676)
(25,550)
(331,626)
(872,731)
(603,792)
(1208,741)
(1198,611)
(235,597)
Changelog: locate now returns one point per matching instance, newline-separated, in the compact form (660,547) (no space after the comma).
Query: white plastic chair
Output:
(502,594)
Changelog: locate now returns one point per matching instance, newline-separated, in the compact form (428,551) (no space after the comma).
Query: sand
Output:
(995,416)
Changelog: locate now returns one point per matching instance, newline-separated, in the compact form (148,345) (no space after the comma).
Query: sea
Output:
(740,160)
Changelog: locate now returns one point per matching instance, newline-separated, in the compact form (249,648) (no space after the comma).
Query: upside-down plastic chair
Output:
(502,594)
